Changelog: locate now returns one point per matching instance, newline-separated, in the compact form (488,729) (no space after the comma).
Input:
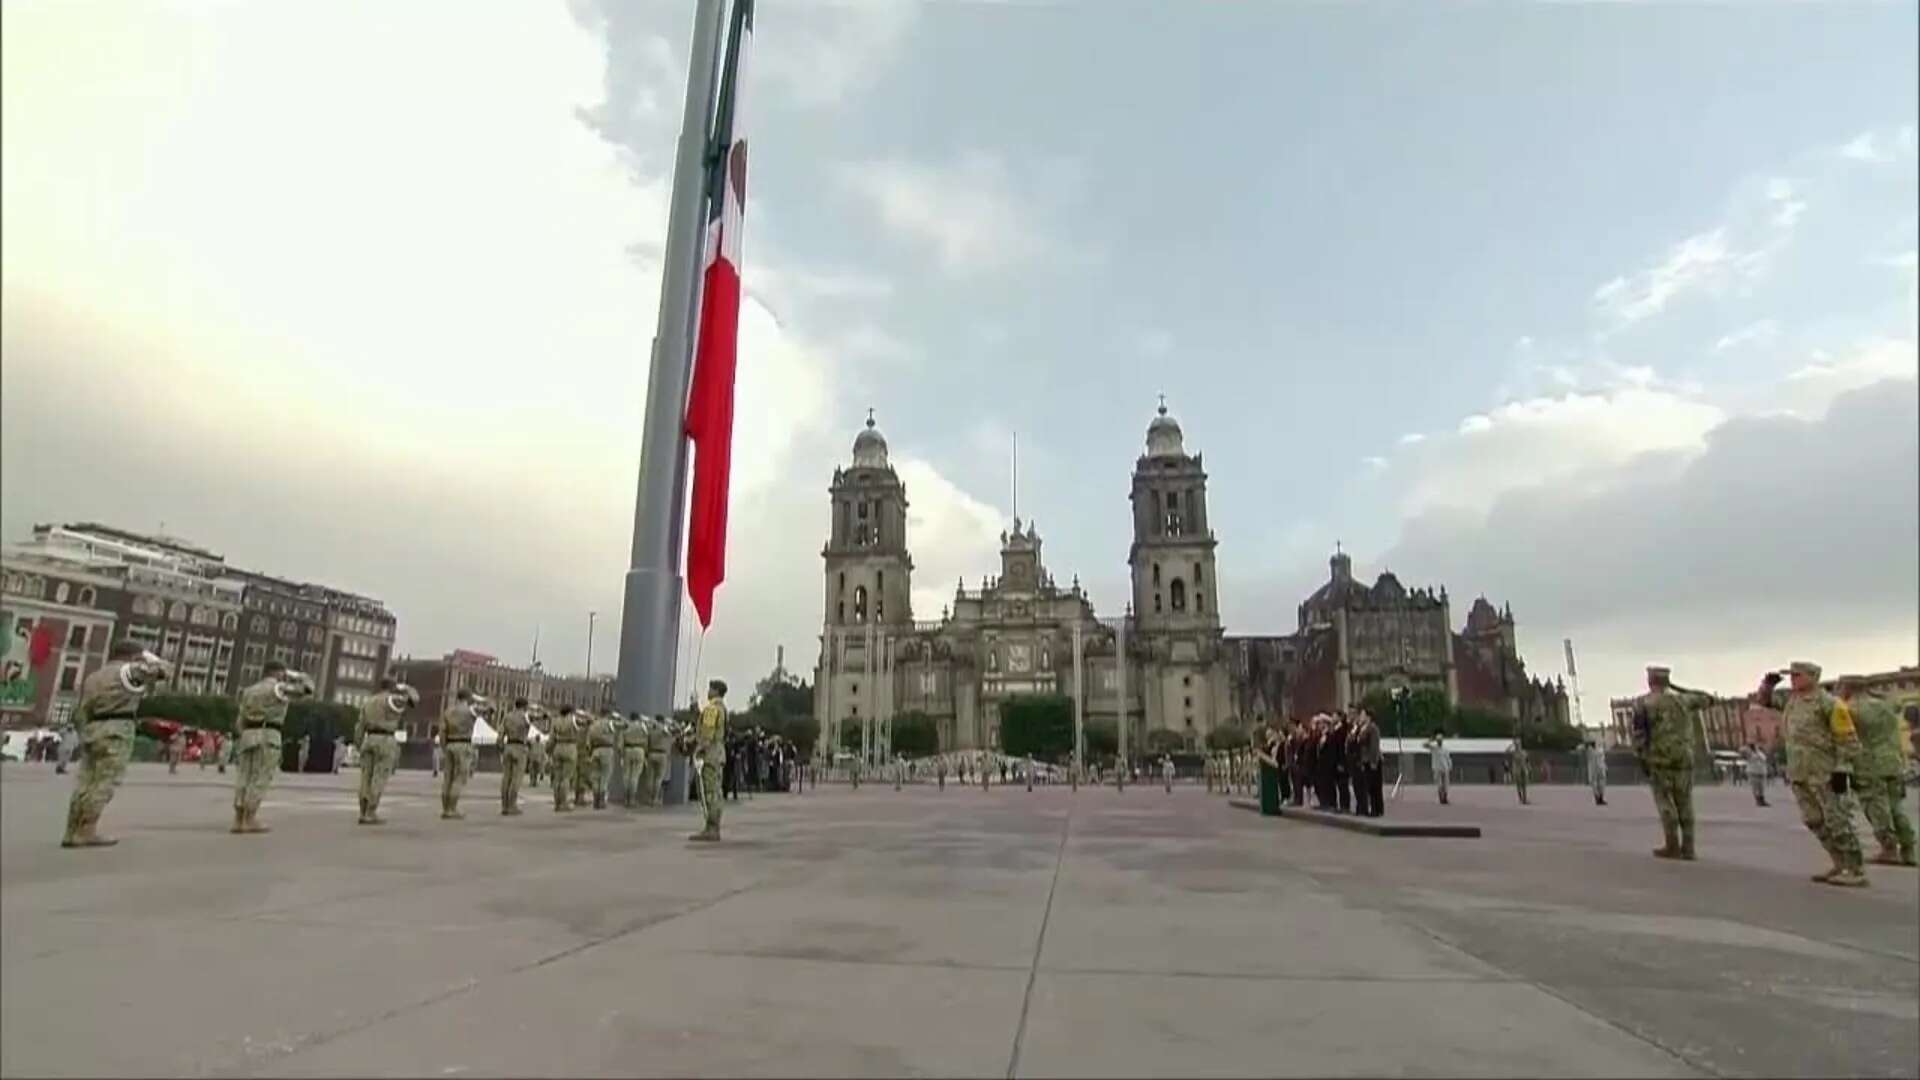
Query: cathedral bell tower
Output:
(1175,591)
(868,586)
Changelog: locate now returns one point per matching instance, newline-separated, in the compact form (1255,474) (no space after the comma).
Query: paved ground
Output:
(954,933)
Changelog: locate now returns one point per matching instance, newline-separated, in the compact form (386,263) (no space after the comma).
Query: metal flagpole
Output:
(650,613)
(1120,664)
(1079,722)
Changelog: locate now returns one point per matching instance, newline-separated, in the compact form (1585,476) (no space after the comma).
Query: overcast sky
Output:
(1606,311)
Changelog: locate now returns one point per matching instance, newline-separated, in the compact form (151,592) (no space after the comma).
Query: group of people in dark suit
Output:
(1337,757)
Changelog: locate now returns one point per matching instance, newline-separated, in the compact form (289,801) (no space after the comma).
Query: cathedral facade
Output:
(1162,664)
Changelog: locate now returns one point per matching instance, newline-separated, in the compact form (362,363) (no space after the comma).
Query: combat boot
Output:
(599,800)
(1832,871)
(239,821)
(1670,849)
(253,822)
(1849,877)
(1888,855)
(90,836)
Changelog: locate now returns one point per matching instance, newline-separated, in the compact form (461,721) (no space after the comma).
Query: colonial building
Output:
(1355,639)
(1160,666)
(440,680)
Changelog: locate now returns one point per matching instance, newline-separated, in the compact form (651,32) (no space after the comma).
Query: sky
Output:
(1605,311)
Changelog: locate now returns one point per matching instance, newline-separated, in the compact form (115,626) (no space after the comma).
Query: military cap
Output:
(1659,671)
(717,686)
(1805,667)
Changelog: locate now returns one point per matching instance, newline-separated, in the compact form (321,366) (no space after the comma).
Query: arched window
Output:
(60,593)
(86,596)
(178,613)
(1156,573)
(202,616)
(993,659)
(1199,600)
(1178,594)
(1046,658)
(230,621)
(1197,579)
(1156,603)
(258,624)
(860,603)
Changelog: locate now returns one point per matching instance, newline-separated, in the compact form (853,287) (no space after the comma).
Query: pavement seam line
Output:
(1039,944)
(468,985)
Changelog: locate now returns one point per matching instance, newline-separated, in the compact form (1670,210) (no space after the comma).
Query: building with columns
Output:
(1161,663)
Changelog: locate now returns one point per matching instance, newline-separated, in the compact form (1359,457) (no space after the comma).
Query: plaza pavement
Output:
(947,933)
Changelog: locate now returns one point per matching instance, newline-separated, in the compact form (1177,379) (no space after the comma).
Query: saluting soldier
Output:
(109,698)
(1822,746)
(563,754)
(263,713)
(1666,750)
(513,755)
(374,733)
(1881,773)
(457,754)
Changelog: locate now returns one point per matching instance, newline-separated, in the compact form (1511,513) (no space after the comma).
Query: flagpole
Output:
(650,614)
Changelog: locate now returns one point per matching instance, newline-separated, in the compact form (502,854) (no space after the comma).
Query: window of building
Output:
(178,613)
(840,612)
(288,630)
(843,582)
(1178,595)
(1046,658)
(1156,573)
(860,603)
(862,515)
(1199,600)
(76,637)
(1188,702)
(1186,680)
(172,649)
(69,677)
(1156,603)
(60,593)
(854,687)
(283,654)
(314,635)
(993,659)
(929,682)
(229,621)
(1197,579)
(258,624)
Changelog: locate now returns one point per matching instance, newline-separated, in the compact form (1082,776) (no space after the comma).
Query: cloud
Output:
(1759,333)
(1702,261)
(1776,536)
(951,532)
(1153,342)
(1876,147)
(1375,462)
(1412,438)
(817,55)
(969,213)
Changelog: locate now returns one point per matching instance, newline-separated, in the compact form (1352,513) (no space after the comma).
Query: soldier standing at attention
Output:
(633,757)
(1756,760)
(263,712)
(300,755)
(1517,762)
(513,755)
(563,751)
(659,741)
(1666,752)
(456,742)
(582,778)
(374,731)
(711,733)
(940,770)
(1881,773)
(1597,772)
(536,747)
(602,734)
(105,719)
(176,749)
(1821,747)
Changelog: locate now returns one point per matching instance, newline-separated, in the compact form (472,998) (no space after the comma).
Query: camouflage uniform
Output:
(1822,744)
(379,752)
(712,735)
(1517,757)
(263,712)
(1881,779)
(602,735)
(176,749)
(563,753)
(1668,759)
(633,759)
(656,767)
(536,760)
(108,700)
(513,758)
(456,736)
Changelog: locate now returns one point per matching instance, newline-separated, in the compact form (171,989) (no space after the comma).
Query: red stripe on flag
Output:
(710,427)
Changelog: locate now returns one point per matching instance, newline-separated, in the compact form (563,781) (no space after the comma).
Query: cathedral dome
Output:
(1164,438)
(870,447)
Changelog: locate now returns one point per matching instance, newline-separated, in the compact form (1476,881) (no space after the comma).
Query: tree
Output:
(850,737)
(914,735)
(1037,724)
(208,712)
(1165,741)
(1427,711)
(1227,738)
(1473,722)
(1103,741)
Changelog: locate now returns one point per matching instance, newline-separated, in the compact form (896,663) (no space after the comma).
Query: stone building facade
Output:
(440,679)
(1353,639)
(1160,664)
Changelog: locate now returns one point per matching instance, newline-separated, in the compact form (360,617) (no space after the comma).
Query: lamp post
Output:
(591,615)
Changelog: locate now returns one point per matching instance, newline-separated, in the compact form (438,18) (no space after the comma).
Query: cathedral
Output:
(1165,664)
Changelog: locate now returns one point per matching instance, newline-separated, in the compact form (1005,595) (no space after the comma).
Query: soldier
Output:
(263,712)
(1166,771)
(457,754)
(633,757)
(176,749)
(1664,729)
(1821,747)
(602,734)
(711,734)
(1597,772)
(582,778)
(513,755)
(536,746)
(109,698)
(563,756)
(300,755)
(1756,759)
(227,752)
(374,733)
(940,770)
(1881,773)
(659,744)
(1371,777)
(1518,763)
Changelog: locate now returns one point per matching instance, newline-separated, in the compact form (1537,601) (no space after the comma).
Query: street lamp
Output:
(591,615)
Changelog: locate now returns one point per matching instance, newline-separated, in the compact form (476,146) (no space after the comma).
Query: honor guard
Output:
(1664,727)
(1822,749)
(711,736)
(514,731)
(633,757)
(536,746)
(109,698)
(375,735)
(457,753)
(263,713)
(602,734)
(563,750)
(1880,774)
